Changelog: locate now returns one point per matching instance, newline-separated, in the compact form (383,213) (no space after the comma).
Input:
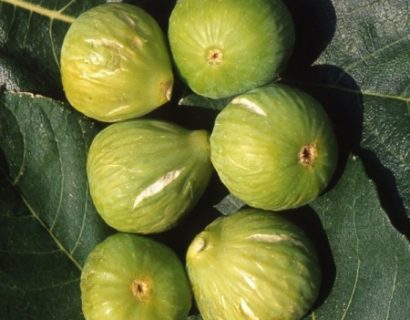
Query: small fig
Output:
(132,277)
(226,47)
(274,147)
(144,175)
(115,64)
(253,264)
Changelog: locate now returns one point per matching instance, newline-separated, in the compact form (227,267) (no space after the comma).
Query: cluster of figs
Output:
(272,146)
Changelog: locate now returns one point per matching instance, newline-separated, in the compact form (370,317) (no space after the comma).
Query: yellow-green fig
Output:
(226,47)
(145,175)
(274,147)
(132,277)
(115,64)
(253,264)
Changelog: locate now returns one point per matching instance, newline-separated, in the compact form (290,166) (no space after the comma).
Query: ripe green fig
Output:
(144,175)
(274,147)
(132,277)
(226,47)
(253,264)
(115,64)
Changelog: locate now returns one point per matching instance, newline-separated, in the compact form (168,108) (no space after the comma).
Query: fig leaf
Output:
(48,224)
(362,78)
(229,205)
(372,260)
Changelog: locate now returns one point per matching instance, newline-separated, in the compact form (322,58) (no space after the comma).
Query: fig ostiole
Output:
(145,175)
(253,264)
(223,48)
(274,147)
(132,277)
(115,63)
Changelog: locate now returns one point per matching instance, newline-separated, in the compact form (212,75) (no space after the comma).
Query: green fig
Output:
(132,277)
(226,47)
(115,64)
(274,147)
(145,175)
(253,264)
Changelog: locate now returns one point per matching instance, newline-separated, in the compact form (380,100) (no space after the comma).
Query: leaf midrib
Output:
(352,91)
(50,232)
(51,14)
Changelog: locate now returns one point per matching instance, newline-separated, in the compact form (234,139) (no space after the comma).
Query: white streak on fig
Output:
(249,281)
(118,109)
(249,105)
(274,238)
(247,310)
(157,186)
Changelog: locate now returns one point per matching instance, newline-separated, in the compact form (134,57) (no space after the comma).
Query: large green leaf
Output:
(351,55)
(48,223)
(372,276)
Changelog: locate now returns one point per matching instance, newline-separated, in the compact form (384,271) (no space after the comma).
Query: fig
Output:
(253,264)
(132,277)
(274,147)
(115,63)
(226,47)
(144,175)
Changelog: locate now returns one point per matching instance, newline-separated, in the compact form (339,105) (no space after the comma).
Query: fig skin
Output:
(223,48)
(253,264)
(274,148)
(145,175)
(115,63)
(131,277)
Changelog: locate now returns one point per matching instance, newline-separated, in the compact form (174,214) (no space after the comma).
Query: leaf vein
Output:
(23,160)
(358,263)
(54,285)
(85,198)
(60,200)
(363,59)
(393,289)
(31,252)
